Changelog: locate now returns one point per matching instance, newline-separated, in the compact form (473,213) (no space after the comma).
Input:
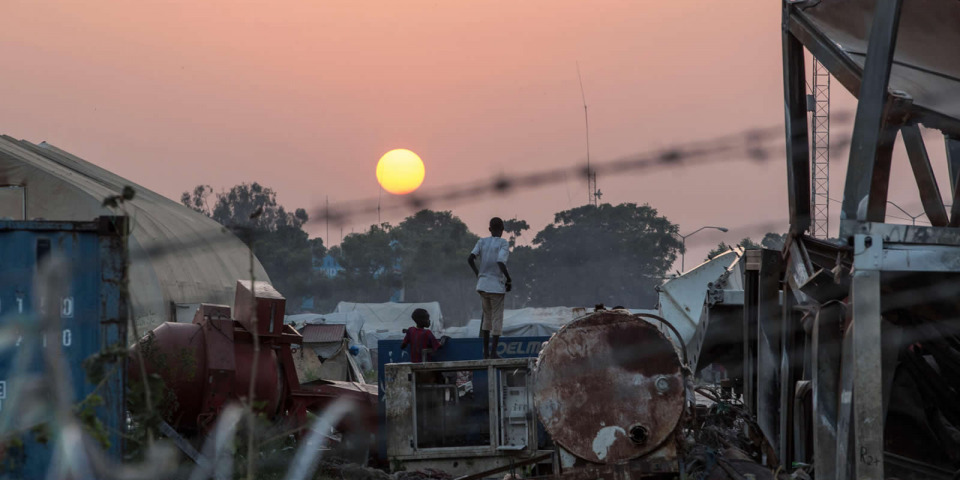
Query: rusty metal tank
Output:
(180,353)
(609,387)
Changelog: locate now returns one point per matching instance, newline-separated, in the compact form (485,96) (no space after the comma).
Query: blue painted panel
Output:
(456,349)
(87,311)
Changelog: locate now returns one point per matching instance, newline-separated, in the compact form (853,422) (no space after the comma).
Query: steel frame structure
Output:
(816,309)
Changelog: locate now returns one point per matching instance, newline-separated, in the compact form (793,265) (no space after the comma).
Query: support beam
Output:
(894,116)
(791,370)
(848,72)
(825,350)
(955,208)
(840,65)
(769,327)
(845,421)
(795,113)
(953,161)
(867,456)
(923,172)
(869,164)
(868,377)
(751,282)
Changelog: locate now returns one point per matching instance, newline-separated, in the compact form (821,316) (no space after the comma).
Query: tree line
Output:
(610,254)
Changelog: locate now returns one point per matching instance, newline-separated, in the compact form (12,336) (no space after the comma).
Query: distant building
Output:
(308,304)
(327,265)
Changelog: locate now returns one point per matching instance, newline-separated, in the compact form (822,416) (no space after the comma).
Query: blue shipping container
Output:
(92,315)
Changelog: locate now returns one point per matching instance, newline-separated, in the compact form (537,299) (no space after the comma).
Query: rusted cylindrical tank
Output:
(179,354)
(176,353)
(609,387)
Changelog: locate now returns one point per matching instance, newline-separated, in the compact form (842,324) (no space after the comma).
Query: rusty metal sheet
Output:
(326,333)
(609,387)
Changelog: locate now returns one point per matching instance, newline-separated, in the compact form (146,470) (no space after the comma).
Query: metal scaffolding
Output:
(843,328)
(820,168)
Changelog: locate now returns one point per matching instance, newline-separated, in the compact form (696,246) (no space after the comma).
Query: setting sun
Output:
(400,171)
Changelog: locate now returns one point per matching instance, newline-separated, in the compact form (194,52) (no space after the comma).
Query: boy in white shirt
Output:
(493,282)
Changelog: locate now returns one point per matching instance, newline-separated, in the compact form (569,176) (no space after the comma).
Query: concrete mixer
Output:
(208,363)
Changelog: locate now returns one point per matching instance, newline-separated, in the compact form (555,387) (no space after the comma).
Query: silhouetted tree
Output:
(251,211)
(434,247)
(514,228)
(369,260)
(611,254)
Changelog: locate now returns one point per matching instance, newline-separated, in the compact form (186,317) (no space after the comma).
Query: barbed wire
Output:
(759,145)
(754,145)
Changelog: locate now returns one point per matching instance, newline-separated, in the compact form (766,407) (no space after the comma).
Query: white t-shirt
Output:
(489,251)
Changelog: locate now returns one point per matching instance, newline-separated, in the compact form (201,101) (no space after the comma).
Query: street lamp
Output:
(912,217)
(683,243)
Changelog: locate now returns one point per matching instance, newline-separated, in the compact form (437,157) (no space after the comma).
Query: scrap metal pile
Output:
(208,364)
(616,395)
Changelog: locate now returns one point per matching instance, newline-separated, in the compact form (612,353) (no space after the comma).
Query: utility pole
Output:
(819,104)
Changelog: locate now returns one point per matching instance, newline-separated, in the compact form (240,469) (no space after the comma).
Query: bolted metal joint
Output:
(662,384)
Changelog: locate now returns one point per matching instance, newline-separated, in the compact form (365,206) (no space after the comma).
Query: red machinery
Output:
(207,364)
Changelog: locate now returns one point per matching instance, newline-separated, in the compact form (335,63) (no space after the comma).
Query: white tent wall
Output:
(528,322)
(386,321)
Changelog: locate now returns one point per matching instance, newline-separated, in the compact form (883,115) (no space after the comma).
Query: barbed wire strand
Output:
(750,145)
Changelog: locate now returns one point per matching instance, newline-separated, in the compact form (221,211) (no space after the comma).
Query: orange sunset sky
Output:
(305,96)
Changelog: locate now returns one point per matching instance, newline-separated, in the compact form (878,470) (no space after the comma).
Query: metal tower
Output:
(592,187)
(593,194)
(820,166)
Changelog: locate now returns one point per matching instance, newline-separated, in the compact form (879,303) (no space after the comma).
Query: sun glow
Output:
(400,171)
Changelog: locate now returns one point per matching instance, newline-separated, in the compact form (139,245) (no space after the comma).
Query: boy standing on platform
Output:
(493,282)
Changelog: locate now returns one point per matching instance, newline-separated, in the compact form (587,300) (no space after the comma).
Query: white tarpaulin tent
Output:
(386,321)
(368,323)
(528,322)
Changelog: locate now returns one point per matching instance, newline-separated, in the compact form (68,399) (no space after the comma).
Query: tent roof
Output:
(178,256)
(529,322)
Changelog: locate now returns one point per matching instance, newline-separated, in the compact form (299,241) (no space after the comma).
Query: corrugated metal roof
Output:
(323,333)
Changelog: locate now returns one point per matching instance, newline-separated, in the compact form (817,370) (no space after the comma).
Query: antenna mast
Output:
(593,195)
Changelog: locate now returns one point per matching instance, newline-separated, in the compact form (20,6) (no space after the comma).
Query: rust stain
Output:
(609,387)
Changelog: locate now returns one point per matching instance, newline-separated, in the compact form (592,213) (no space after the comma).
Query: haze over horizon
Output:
(306,97)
